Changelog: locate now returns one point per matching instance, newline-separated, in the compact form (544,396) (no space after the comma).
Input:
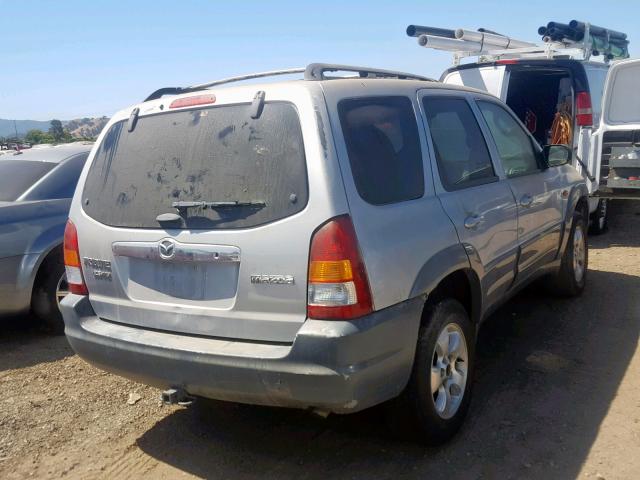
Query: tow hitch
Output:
(177,396)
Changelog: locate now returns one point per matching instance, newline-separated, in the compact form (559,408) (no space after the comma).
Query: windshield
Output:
(217,154)
(16,176)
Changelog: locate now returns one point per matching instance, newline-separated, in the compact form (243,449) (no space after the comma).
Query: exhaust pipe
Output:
(177,396)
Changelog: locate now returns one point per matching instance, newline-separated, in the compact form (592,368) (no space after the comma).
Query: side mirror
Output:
(556,155)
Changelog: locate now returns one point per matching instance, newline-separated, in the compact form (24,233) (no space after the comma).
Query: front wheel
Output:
(433,405)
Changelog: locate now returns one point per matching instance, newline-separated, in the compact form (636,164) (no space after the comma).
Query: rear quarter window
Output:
(217,154)
(381,135)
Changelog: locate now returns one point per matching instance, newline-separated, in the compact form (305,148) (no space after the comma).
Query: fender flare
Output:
(578,192)
(442,264)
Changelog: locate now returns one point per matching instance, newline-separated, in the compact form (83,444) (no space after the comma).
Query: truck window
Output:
(461,152)
(514,146)
(382,140)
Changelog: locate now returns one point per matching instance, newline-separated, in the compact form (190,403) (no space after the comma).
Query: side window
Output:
(61,182)
(514,145)
(461,151)
(382,141)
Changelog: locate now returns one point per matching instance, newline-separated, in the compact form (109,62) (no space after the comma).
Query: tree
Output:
(56,130)
(36,136)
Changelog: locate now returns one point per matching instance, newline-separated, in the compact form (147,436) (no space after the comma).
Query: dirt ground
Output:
(557,395)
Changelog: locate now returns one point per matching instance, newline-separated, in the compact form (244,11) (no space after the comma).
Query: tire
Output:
(421,412)
(572,276)
(599,218)
(50,288)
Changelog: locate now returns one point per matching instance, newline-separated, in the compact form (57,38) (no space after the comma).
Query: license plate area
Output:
(186,281)
(204,276)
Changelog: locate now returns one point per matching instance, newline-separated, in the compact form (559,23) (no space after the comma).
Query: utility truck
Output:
(576,88)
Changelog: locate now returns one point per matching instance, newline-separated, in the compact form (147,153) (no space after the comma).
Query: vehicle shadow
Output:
(24,343)
(547,372)
(623,231)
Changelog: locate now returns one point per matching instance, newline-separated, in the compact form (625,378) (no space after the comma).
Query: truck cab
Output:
(561,101)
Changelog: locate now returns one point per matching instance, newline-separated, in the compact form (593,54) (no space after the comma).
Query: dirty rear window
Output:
(217,154)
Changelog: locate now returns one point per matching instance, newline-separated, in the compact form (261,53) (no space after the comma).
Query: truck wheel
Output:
(51,288)
(432,407)
(571,278)
(599,217)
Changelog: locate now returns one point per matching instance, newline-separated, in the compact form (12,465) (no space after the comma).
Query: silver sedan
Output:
(36,187)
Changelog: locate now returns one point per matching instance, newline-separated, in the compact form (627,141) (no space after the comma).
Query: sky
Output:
(69,59)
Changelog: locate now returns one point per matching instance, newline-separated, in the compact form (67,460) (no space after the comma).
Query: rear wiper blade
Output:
(183,205)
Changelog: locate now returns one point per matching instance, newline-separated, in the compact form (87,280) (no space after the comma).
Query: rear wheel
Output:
(433,405)
(571,278)
(51,287)
(599,218)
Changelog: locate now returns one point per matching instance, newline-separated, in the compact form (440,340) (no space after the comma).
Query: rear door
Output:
(223,269)
(538,191)
(479,202)
(618,136)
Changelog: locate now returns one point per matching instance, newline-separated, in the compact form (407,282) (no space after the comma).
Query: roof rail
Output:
(316,71)
(240,78)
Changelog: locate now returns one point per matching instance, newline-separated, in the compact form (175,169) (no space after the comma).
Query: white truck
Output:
(599,100)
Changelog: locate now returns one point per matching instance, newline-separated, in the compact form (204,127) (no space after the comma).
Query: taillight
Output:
(584,113)
(338,285)
(72,263)
(507,62)
(193,101)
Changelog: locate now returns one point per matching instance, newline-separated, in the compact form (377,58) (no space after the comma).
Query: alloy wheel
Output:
(449,368)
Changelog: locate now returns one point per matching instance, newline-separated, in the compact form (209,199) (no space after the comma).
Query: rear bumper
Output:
(336,366)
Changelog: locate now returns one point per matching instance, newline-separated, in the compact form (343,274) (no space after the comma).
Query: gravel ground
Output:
(557,395)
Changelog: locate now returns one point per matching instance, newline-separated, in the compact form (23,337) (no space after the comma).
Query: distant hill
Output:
(7,128)
(86,127)
(79,127)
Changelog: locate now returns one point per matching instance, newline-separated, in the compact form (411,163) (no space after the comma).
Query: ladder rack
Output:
(487,48)
(544,51)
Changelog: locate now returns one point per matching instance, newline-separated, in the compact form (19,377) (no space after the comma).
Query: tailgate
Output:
(233,264)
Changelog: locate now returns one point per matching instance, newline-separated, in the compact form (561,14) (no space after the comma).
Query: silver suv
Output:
(331,243)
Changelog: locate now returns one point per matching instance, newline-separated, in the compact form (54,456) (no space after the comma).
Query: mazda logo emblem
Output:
(167,249)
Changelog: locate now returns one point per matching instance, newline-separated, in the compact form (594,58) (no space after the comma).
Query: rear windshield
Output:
(16,176)
(217,154)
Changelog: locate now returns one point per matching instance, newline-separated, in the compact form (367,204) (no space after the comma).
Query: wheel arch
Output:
(449,274)
(43,264)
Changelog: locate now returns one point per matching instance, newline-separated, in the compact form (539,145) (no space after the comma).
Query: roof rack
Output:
(316,71)
(313,72)
(544,51)
(578,40)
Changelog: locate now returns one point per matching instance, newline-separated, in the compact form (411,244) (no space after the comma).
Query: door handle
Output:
(526,200)
(473,221)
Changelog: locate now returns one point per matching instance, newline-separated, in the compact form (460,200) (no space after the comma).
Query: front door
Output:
(479,203)
(538,190)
